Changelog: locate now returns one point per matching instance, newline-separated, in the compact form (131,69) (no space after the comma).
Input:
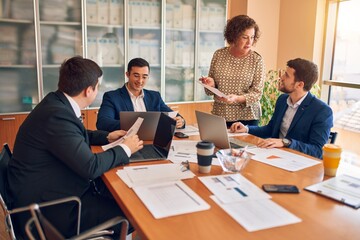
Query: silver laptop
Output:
(148,127)
(213,128)
(162,141)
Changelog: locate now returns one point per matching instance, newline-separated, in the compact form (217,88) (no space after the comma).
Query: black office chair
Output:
(46,231)
(5,157)
(332,137)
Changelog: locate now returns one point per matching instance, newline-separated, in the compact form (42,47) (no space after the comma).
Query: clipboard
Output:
(344,189)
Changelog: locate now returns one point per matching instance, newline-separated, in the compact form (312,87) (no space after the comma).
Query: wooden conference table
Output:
(322,218)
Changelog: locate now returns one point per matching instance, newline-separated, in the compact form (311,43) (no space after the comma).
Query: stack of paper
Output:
(282,159)
(160,189)
(151,174)
(344,188)
(246,203)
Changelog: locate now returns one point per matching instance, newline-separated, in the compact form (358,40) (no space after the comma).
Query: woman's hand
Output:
(207,81)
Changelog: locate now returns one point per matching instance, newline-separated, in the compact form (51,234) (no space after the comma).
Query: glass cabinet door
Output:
(18,69)
(61,37)
(212,20)
(144,31)
(105,42)
(179,50)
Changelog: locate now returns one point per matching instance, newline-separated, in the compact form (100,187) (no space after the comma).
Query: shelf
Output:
(60,23)
(98,25)
(17,66)
(10,20)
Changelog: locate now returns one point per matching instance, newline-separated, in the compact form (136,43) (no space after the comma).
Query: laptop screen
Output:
(164,133)
(148,127)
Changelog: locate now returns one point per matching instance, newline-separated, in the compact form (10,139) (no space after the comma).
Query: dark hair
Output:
(237,25)
(77,74)
(305,71)
(137,62)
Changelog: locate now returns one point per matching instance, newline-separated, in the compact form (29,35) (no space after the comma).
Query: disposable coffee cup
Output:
(205,152)
(331,159)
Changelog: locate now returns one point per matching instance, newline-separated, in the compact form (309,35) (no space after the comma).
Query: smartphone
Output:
(180,135)
(280,188)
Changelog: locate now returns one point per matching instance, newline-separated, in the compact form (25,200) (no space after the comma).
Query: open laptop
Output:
(162,141)
(213,128)
(148,127)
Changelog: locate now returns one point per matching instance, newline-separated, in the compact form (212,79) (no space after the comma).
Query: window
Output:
(341,76)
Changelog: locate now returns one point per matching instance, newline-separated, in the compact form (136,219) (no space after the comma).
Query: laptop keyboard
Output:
(236,143)
(148,152)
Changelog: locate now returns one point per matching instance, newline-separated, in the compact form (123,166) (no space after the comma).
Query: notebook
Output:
(148,127)
(160,147)
(213,128)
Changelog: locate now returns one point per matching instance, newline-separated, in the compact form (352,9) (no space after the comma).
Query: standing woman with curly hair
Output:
(238,72)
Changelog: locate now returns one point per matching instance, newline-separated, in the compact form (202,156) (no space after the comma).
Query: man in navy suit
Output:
(52,156)
(300,121)
(132,97)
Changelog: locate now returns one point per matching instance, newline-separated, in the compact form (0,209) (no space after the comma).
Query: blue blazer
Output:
(308,131)
(119,100)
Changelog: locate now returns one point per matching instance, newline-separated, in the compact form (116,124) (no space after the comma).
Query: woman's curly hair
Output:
(237,25)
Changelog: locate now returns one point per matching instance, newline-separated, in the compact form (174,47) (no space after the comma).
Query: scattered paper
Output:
(344,188)
(150,174)
(189,130)
(170,199)
(185,150)
(172,114)
(233,188)
(282,159)
(132,131)
(258,214)
(213,90)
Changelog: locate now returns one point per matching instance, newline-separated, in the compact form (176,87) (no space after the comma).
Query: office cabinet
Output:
(9,126)
(177,38)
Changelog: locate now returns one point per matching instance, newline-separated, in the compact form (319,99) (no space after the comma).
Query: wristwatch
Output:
(286,142)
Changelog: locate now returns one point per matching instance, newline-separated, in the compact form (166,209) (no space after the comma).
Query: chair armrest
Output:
(109,223)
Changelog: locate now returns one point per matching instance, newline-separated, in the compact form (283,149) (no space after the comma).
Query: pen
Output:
(140,168)
(180,156)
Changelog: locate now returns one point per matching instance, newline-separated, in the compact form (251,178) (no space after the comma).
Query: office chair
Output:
(46,231)
(332,137)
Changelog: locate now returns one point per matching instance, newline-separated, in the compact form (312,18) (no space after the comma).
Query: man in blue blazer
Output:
(132,97)
(52,157)
(300,121)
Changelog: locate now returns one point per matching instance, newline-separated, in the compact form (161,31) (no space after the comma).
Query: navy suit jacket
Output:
(309,129)
(119,100)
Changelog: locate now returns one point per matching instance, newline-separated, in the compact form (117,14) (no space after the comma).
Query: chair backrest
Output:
(5,157)
(39,227)
(332,137)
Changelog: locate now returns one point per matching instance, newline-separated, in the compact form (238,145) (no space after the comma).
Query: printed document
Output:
(150,174)
(258,214)
(185,150)
(213,90)
(132,131)
(282,159)
(233,188)
(189,130)
(170,199)
(344,188)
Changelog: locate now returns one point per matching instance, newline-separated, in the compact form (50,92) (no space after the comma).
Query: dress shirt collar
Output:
(74,105)
(297,104)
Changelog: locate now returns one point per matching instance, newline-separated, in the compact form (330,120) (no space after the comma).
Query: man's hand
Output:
(207,81)
(134,143)
(238,127)
(115,135)
(179,122)
(271,143)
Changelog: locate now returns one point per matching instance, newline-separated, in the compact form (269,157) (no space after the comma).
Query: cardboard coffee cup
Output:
(331,159)
(205,151)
